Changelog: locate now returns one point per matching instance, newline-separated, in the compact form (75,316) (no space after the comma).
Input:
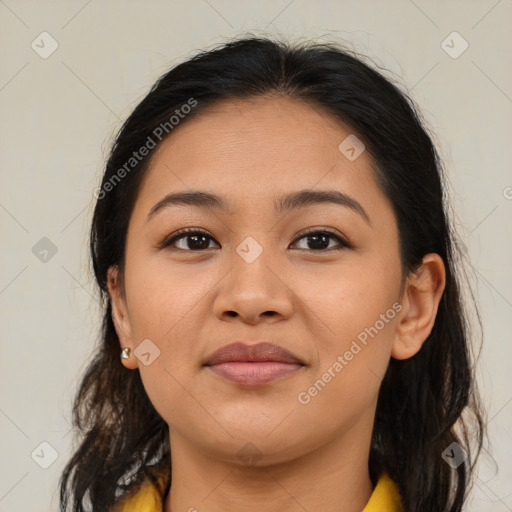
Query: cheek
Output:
(355,317)
(163,307)
(345,391)
(162,294)
(351,297)
(354,351)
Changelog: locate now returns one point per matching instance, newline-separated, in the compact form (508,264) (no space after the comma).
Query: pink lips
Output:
(253,364)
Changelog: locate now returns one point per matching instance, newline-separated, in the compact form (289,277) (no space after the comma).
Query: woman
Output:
(273,248)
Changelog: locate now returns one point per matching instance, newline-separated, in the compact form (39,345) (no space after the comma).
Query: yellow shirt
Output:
(149,496)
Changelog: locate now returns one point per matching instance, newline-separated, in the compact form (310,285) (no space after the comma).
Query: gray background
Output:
(59,114)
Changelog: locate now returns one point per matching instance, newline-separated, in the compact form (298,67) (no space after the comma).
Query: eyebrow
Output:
(288,202)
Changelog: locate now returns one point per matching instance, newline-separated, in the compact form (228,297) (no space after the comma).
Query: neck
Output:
(331,478)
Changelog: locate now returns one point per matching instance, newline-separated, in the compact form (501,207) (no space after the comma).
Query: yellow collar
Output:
(148,497)
(385,497)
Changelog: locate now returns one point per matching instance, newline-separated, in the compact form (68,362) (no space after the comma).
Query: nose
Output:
(253,292)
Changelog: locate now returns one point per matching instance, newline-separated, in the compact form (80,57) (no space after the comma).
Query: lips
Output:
(253,365)
(261,352)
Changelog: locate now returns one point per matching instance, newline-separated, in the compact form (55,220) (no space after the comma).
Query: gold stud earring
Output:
(125,353)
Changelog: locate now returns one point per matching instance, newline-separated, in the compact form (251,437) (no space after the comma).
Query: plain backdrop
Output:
(60,110)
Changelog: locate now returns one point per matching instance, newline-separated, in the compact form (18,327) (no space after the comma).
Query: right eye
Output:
(197,240)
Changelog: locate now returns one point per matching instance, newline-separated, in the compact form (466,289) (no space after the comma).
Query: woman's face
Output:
(255,276)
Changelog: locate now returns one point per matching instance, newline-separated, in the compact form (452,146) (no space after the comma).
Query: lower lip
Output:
(254,373)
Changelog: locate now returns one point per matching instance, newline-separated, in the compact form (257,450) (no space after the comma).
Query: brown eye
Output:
(320,240)
(194,240)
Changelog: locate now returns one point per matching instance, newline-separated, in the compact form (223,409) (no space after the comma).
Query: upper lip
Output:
(263,351)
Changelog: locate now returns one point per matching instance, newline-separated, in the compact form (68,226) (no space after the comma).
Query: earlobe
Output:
(420,300)
(120,316)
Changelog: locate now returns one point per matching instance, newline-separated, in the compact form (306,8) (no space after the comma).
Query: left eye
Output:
(198,240)
(320,240)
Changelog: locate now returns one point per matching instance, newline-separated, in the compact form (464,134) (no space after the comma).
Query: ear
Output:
(420,301)
(120,315)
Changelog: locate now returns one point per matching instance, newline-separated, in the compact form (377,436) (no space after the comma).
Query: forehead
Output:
(253,150)
(278,124)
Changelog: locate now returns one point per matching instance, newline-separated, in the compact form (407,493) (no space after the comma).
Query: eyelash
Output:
(344,244)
